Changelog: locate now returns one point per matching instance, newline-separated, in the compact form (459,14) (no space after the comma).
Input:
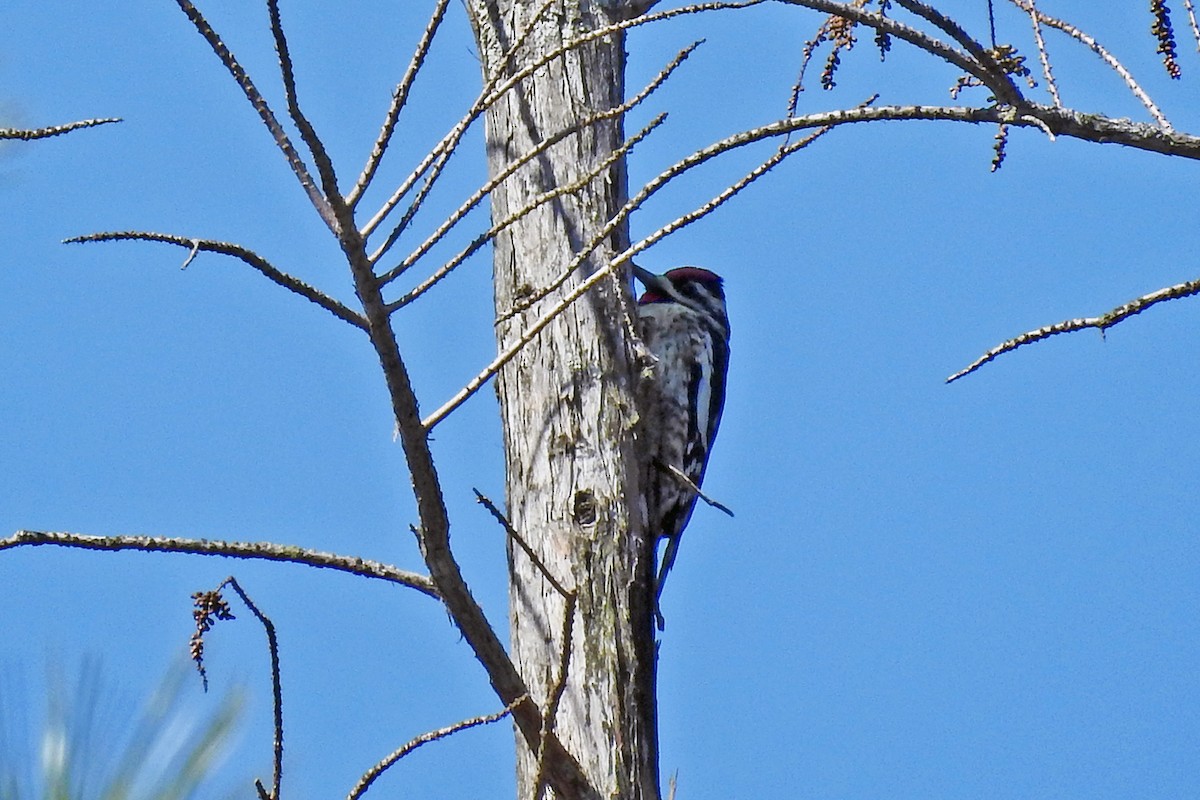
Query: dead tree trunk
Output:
(568,402)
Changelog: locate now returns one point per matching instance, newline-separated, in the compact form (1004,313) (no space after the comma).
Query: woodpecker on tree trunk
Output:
(682,320)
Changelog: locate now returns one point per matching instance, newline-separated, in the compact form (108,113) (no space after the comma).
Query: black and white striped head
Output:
(694,288)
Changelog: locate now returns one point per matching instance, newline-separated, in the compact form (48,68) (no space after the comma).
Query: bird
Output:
(683,322)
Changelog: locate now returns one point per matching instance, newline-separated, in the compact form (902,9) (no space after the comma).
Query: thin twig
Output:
(191,256)
(1191,12)
(1101,323)
(307,132)
(679,475)
(374,772)
(515,535)
(1075,33)
(276,683)
(23,135)
(1039,124)
(556,694)
(256,261)
(399,99)
(299,169)
(1043,55)
(265,551)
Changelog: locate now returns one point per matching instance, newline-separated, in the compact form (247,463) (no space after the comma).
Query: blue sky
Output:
(987,589)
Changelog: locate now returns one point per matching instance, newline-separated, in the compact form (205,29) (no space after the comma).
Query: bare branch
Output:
(1101,323)
(436,159)
(236,251)
(474,200)
(374,772)
(1028,7)
(307,132)
(891,27)
(320,203)
(528,208)
(645,193)
(265,551)
(276,683)
(470,204)
(1058,121)
(515,347)
(964,61)
(1000,83)
(498,86)
(715,203)
(54,130)
(399,99)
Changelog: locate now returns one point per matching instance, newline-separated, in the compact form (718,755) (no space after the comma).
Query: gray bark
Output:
(568,407)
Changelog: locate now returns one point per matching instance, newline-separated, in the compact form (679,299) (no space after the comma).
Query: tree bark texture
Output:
(568,403)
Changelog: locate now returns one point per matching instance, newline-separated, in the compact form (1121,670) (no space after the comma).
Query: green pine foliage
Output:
(90,746)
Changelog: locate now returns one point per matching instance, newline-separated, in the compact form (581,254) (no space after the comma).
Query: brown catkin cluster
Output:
(209,607)
(1165,35)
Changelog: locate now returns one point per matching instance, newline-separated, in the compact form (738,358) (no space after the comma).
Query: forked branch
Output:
(307,132)
(1108,58)
(999,81)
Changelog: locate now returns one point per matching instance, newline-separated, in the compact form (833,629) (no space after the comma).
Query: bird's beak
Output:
(649,279)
